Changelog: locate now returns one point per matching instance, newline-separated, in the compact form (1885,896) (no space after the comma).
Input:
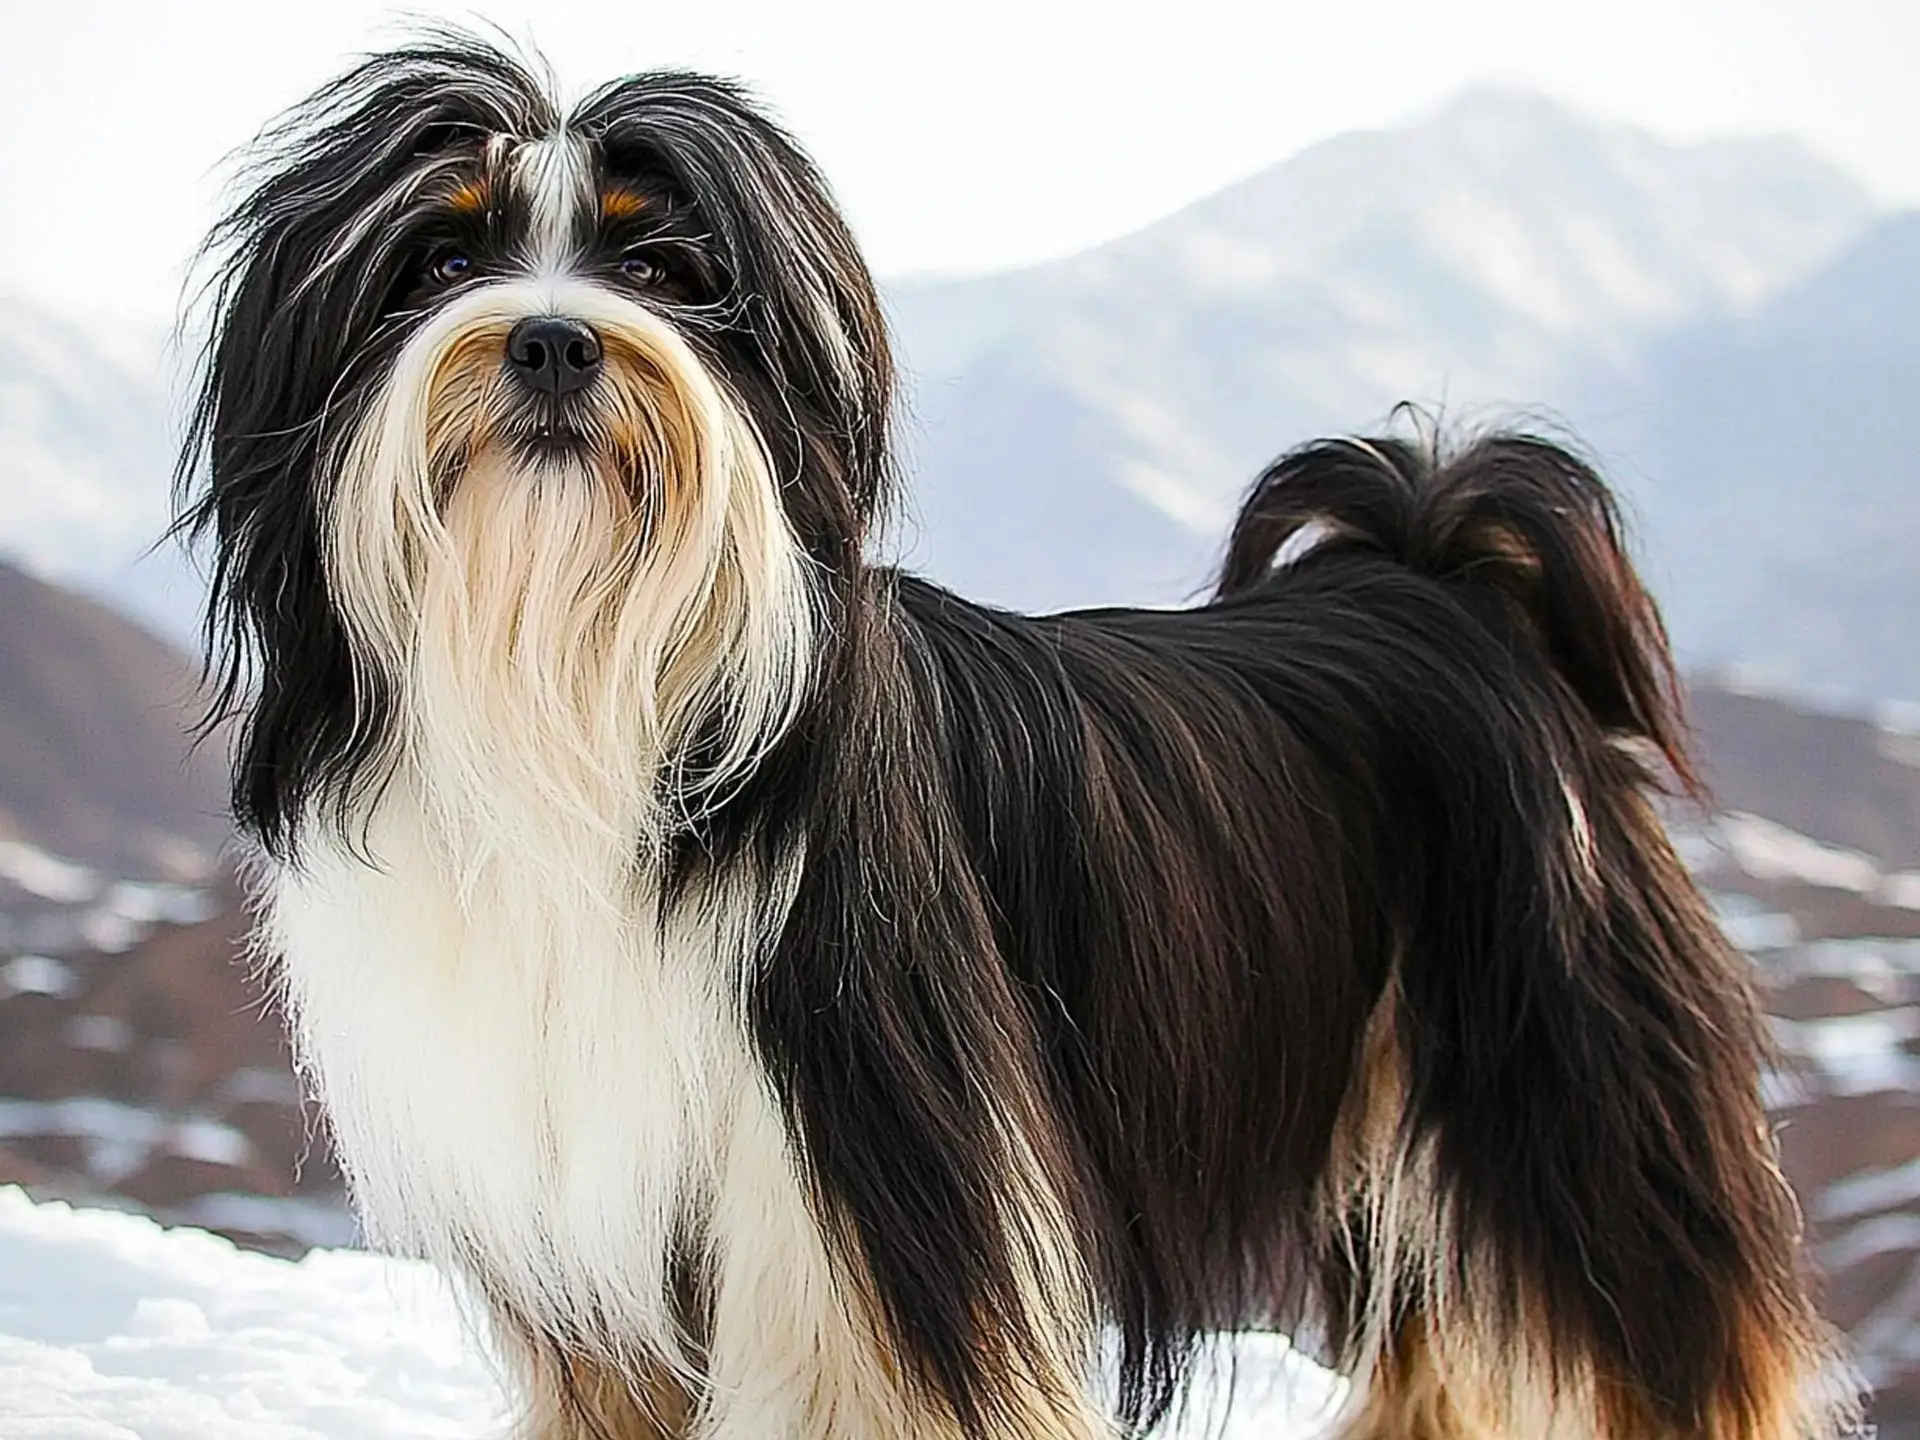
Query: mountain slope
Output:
(1780,465)
(94,751)
(1081,429)
(1843,780)
(1495,254)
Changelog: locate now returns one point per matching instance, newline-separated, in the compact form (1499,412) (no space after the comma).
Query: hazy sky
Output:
(968,134)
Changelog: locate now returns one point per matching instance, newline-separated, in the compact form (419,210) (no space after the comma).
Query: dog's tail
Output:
(1554,1208)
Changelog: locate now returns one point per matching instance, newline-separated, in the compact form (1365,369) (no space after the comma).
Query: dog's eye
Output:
(449,267)
(642,271)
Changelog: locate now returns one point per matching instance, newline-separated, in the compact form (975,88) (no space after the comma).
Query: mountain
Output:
(1081,429)
(1843,780)
(1779,465)
(95,758)
(142,1062)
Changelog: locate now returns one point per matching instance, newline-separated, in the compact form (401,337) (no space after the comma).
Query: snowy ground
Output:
(113,1328)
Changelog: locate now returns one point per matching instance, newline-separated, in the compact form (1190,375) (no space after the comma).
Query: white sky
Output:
(961,135)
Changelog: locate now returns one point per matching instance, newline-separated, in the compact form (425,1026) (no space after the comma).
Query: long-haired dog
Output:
(805,1003)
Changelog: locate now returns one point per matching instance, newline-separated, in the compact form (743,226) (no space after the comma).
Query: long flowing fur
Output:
(605,616)
(808,1004)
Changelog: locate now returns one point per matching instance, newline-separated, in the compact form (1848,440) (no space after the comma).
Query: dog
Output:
(805,1003)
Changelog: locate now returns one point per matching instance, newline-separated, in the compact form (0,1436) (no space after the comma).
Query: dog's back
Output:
(1369,992)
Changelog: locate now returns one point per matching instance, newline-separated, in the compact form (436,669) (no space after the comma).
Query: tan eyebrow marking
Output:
(621,203)
(471,198)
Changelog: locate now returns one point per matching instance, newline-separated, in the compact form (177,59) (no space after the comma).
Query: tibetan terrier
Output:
(805,1003)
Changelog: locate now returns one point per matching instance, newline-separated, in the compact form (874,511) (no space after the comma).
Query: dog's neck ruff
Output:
(554,1096)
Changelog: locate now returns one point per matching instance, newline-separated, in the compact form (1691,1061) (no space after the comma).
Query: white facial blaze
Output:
(554,176)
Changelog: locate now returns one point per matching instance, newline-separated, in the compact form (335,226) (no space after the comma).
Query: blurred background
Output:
(1131,253)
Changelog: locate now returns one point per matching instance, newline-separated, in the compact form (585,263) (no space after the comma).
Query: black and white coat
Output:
(805,1003)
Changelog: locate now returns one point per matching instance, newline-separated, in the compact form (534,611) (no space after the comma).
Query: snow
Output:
(1767,850)
(48,876)
(99,1032)
(1751,926)
(71,907)
(1878,965)
(114,1328)
(38,975)
(1871,1190)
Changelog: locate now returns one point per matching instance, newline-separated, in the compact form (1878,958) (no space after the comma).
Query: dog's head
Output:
(521,428)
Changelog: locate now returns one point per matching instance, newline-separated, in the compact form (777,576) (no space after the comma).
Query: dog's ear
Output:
(309,254)
(303,267)
(799,327)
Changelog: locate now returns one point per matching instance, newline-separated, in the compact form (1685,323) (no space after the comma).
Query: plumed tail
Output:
(1554,1208)
(1515,518)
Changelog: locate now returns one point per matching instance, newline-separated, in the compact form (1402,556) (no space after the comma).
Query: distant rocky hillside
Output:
(1082,428)
(141,1063)
(95,758)
(1839,779)
(1813,855)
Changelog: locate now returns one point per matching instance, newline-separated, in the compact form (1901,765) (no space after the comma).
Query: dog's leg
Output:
(570,1395)
(1378,1215)
(1405,1399)
(796,1350)
(1449,1338)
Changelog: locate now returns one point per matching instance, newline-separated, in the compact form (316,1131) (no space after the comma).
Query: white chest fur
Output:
(544,1088)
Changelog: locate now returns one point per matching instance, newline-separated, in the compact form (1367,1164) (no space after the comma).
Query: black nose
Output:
(553,354)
